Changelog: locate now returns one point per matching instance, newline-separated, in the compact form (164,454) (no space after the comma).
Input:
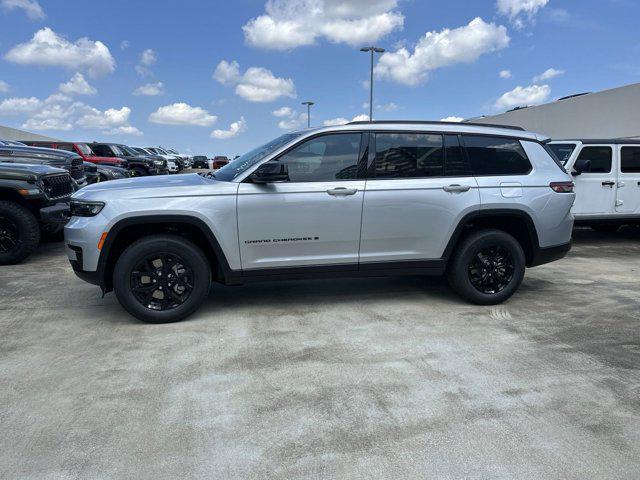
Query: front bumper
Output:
(58,213)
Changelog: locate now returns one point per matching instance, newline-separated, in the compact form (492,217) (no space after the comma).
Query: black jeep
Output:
(33,199)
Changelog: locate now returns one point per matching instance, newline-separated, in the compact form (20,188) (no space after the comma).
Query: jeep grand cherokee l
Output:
(476,203)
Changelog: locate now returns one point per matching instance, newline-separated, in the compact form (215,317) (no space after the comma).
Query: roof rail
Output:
(433,122)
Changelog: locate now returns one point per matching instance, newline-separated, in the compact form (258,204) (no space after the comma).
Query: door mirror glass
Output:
(271,172)
(581,166)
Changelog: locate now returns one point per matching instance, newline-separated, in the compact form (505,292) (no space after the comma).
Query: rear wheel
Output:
(606,228)
(19,233)
(162,278)
(487,268)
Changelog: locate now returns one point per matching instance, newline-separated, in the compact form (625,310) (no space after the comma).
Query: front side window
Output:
(496,155)
(323,159)
(600,158)
(408,155)
(84,149)
(455,164)
(102,150)
(630,160)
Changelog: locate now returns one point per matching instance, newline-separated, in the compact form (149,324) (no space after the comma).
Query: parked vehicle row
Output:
(475,203)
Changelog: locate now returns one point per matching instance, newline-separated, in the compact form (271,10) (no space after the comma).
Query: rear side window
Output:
(408,155)
(496,155)
(455,163)
(562,151)
(600,158)
(630,160)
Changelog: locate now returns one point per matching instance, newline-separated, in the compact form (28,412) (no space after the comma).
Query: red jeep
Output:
(83,150)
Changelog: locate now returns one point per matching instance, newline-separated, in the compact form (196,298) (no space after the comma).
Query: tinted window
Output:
(66,146)
(455,164)
(324,158)
(101,150)
(496,155)
(630,160)
(562,151)
(408,155)
(600,158)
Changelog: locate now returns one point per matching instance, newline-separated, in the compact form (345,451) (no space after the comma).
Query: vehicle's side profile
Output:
(478,204)
(607,178)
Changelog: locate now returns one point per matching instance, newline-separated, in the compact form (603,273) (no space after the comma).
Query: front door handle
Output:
(342,191)
(455,188)
(608,183)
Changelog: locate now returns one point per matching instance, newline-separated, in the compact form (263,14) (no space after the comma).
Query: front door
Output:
(596,187)
(313,219)
(628,202)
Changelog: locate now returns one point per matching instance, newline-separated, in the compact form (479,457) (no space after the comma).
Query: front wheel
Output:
(487,268)
(162,278)
(19,233)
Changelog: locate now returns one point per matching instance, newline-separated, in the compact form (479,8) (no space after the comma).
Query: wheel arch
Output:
(517,223)
(128,230)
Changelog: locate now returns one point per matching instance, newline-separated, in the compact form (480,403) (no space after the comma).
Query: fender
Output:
(229,276)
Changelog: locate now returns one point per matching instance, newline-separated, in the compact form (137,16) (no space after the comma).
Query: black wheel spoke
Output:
(491,269)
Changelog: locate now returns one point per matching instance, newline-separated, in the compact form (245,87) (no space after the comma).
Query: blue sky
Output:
(221,77)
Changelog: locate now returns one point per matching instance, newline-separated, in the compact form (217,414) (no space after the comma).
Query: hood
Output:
(19,171)
(156,186)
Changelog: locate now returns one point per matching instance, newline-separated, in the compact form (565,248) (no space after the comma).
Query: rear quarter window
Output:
(490,155)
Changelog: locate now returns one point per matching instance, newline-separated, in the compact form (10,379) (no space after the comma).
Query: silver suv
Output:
(477,203)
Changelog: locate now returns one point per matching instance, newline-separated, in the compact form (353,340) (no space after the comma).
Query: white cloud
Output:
(18,105)
(505,74)
(288,24)
(182,114)
(441,49)
(363,117)
(77,86)
(4,87)
(547,75)
(335,121)
(124,44)
(47,48)
(148,57)
(516,9)
(227,73)
(283,112)
(150,89)
(452,119)
(61,112)
(256,84)
(31,7)
(524,96)
(234,130)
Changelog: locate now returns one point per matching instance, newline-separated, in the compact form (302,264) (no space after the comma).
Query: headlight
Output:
(158,162)
(81,208)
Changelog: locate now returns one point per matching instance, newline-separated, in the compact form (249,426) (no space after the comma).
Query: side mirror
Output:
(581,166)
(270,173)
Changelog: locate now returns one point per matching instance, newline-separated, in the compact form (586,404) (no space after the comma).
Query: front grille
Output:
(57,186)
(76,170)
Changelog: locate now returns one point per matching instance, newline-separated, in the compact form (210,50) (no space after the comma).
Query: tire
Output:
(103,178)
(604,228)
(468,254)
(130,270)
(18,227)
(138,172)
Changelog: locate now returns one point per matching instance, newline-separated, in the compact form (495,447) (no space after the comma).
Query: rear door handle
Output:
(608,183)
(455,188)
(342,191)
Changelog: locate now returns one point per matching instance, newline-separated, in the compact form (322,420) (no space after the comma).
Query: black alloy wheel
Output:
(9,237)
(162,281)
(491,269)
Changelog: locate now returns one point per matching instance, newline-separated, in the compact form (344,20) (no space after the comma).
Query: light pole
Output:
(373,50)
(308,104)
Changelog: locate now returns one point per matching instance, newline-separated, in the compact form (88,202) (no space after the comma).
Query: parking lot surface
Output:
(369,378)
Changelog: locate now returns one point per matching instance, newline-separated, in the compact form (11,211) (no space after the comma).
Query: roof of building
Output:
(8,133)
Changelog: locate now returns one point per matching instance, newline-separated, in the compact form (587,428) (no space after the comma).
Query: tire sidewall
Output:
(191,255)
(28,232)
(469,250)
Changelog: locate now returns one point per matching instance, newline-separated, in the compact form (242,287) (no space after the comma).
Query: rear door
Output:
(313,219)
(628,201)
(596,188)
(418,189)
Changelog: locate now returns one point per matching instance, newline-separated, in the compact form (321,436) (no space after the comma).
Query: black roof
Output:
(599,141)
(433,122)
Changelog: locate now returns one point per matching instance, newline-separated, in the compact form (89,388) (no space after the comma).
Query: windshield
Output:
(127,150)
(239,165)
(562,150)
(84,149)
(140,150)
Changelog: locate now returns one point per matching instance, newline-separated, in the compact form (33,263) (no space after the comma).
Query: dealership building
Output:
(8,133)
(611,113)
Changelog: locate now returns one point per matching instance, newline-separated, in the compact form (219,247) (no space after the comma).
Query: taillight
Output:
(562,187)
